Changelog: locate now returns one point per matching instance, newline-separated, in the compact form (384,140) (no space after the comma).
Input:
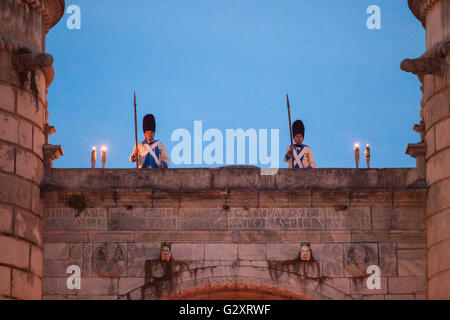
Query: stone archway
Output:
(181,280)
(239,291)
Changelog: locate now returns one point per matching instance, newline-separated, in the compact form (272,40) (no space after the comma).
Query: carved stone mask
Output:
(305,252)
(109,253)
(165,253)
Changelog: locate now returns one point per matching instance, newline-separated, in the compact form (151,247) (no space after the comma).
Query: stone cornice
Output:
(233,178)
(420,8)
(51,10)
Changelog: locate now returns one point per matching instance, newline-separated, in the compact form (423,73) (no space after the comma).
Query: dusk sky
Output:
(230,64)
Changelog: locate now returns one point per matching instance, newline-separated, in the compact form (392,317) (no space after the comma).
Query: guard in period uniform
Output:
(152,154)
(302,154)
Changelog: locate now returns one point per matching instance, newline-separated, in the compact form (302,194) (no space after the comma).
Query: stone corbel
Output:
(25,61)
(431,62)
(420,128)
(48,130)
(418,151)
(51,152)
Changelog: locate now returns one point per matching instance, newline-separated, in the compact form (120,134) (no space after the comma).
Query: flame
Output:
(357,145)
(94,148)
(103,148)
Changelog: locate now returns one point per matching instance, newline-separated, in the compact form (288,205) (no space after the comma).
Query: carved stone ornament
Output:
(357,259)
(305,252)
(431,62)
(166,254)
(109,260)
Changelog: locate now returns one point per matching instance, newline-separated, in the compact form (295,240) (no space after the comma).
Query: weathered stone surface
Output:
(6,157)
(111,236)
(219,251)
(14,252)
(437,226)
(5,281)
(27,108)
(65,236)
(359,286)
(92,297)
(353,218)
(28,226)
(18,192)
(127,285)
(273,199)
(410,198)
(76,251)
(25,134)
(326,198)
(25,285)
(188,251)
(36,259)
(56,268)
(437,199)
(388,259)
(87,260)
(6,219)
(370,198)
(400,218)
(57,286)
(331,256)
(8,100)
(282,251)
(203,219)
(439,257)
(407,285)
(300,198)
(242,199)
(37,206)
(437,166)
(442,134)
(38,142)
(140,219)
(137,254)
(99,286)
(252,251)
(8,128)
(29,166)
(370,236)
(439,287)
(64,219)
(56,251)
(412,267)
(400,297)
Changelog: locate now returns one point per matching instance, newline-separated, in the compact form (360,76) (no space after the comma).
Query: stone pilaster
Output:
(26,73)
(433,71)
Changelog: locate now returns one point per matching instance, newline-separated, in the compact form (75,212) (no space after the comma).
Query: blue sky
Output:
(230,63)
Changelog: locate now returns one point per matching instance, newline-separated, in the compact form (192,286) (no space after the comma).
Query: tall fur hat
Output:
(298,127)
(149,124)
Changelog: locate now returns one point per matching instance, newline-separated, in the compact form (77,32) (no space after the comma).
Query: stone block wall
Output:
(433,71)
(23,113)
(234,233)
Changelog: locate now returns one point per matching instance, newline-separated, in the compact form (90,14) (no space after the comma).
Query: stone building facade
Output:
(224,233)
